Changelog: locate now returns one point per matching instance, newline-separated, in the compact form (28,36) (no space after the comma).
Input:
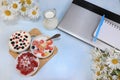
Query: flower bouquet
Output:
(106,64)
(12,9)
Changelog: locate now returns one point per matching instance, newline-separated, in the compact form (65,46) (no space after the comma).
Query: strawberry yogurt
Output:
(42,48)
(26,63)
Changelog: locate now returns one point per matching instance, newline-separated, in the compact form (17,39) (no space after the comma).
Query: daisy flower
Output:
(107,77)
(4,3)
(96,56)
(96,53)
(22,1)
(15,6)
(114,77)
(23,11)
(113,62)
(34,13)
(105,71)
(115,52)
(7,14)
(95,66)
(98,74)
(106,64)
(28,3)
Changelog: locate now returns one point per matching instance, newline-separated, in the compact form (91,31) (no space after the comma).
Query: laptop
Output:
(82,19)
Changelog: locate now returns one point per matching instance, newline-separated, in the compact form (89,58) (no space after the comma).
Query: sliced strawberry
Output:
(24,72)
(35,42)
(30,70)
(41,51)
(49,42)
(19,58)
(41,41)
(46,48)
(36,51)
(34,63)
(43,54)
(22,66)
(23,55)
(51,48)
(17,67)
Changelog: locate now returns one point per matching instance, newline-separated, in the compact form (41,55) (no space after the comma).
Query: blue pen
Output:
(98,29)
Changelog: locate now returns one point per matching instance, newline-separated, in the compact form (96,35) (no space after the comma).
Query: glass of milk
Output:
(50,21)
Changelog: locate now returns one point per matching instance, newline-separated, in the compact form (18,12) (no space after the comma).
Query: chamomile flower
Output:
(22,1)
(114,77)
(34,13)
(15,6)
(7,14)
(106,71)
(96,55)
(95,66)
(107,77)
(28,3)
(23,11)
(98,74)
(113,62)
(4,3)
(115,52)
(107,65)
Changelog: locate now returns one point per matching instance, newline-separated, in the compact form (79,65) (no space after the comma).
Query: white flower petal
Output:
(15,6)
(34,13)
(7,14)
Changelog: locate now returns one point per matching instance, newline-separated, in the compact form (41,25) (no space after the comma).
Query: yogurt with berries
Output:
(19,41)
(27,64)
(42,48)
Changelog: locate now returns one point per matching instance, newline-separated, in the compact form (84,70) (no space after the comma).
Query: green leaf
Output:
(117,72)
(113,73)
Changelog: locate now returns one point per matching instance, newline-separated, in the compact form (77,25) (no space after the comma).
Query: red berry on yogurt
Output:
(49,42)
(41,41)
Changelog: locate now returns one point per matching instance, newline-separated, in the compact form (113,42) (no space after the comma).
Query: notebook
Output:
(110,34)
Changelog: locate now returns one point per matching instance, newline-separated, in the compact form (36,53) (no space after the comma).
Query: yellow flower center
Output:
(15,5)
(23,9)
(7,12)
(34,12)
(97,60)
(28,2)
(101,67)
(115,61)
(98,73)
